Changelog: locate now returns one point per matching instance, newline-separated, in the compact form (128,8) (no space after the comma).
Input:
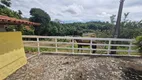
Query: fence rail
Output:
(58,43)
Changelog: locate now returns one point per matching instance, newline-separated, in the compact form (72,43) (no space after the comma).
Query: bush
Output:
(139,43)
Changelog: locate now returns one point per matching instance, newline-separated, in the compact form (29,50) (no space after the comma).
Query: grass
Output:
(30,49)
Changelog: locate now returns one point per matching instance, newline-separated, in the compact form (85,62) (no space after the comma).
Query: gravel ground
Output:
(63,67)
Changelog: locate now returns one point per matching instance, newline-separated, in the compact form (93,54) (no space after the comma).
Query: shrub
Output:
(139,43)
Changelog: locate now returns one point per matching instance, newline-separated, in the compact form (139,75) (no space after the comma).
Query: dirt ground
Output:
(64,67)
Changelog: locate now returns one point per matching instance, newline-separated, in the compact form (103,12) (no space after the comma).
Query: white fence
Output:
(57,44)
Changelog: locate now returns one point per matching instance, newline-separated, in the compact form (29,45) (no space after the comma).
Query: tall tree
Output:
(40,16)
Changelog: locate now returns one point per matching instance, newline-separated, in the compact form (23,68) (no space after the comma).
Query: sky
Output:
(80,10)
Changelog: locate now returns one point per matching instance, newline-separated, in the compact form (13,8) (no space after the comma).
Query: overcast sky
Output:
(80,10)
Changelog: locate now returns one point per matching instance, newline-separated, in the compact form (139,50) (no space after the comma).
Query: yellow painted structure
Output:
(12,55)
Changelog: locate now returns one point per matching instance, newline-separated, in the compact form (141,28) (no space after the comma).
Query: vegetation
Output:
(139,43)
(6,11)
(129,29)
(42,17)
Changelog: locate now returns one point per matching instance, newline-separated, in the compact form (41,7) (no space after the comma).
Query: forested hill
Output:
(101,29)
(129,29)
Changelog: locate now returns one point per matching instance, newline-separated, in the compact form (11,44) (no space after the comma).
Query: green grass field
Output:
(29,49)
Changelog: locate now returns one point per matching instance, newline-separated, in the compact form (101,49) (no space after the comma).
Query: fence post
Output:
(109,44)
(73,46)
(56,45)
(38,47)
(129,51)
(90,46)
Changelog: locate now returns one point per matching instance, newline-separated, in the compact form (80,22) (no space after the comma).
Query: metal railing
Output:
(56,43)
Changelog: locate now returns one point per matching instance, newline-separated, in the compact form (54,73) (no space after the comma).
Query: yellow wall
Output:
(12,55)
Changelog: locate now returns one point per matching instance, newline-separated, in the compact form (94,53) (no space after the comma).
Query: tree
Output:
(4,10)
(6,2)
(40,16)
(19,12)
(126,16)
(112,19)
(57,20)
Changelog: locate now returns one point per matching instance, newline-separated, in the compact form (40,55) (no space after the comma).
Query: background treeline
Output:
(129,29)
